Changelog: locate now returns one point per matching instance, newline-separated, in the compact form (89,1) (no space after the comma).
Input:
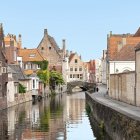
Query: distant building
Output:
(103,65)
(77,68)
(98,69)
(3,71)
(91,71)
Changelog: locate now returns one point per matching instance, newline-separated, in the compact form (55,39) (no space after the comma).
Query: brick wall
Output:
(122,87)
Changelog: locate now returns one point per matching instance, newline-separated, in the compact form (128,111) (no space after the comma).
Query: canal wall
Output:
(20,98)
(119,126)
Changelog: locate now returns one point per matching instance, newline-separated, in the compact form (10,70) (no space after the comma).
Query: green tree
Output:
(44,76)
(22,89)
(57,77)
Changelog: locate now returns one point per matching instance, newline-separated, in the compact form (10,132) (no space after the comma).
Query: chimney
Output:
(70,52)
(45,32)
(110,33)
(64,48)
(19,41)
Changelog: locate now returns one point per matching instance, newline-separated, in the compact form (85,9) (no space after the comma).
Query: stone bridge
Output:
(83,85)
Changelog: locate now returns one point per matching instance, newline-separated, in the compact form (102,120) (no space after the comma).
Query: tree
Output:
(57,77)
(43,73)
(44,76)
(22,89)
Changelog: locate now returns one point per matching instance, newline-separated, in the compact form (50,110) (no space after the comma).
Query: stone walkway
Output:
(126,109)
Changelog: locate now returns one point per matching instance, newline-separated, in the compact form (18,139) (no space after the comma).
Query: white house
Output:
(125,61)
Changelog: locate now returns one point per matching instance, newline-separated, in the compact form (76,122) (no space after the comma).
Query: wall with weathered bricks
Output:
(122,87)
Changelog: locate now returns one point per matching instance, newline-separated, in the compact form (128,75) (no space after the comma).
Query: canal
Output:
(62,117)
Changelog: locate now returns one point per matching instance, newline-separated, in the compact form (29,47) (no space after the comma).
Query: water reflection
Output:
(59,118)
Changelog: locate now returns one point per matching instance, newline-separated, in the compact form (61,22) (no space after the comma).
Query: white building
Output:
(104,67)
(77,68)
(98,71)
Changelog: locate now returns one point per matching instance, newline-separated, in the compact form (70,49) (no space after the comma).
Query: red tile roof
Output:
(29,55)
(71,56)
(127,53)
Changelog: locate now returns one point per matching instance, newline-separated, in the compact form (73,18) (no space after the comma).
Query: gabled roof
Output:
(30,55)
(71,56)
(53,42)
(17,72)
(137,34)
(127,53)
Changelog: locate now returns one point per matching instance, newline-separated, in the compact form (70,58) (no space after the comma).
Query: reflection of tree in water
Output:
(44,120)
(56,107)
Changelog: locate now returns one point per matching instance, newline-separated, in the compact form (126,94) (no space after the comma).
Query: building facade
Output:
(3,71)
(119,47)
(77,68)
(50,50)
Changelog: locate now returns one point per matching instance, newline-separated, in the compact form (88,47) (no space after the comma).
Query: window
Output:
(70,75)
(75,69)
(81,76)
(80,69)
(42,48)
(76,60)
(77,75)
(32,55)
(71,69)
(49,47)
(4,69)
(33,84)
(38,66)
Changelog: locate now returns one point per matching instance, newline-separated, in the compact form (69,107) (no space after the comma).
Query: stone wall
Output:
(21,98)
(118,126)
(122,87)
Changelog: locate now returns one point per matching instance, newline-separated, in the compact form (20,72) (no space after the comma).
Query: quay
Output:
(120,120)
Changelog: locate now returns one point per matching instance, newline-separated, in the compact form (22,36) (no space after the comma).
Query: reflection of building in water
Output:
(48,120)
(75,108)
(3,124)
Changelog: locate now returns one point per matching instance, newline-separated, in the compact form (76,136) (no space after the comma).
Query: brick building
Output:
(3,71)
(50,50)
(11,47)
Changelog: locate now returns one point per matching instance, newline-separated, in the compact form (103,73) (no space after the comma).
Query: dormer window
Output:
(32,55)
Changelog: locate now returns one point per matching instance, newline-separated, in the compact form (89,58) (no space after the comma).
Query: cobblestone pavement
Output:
(124,108)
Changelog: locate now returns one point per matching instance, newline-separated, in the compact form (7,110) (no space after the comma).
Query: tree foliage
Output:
(44,76)
(57,77)
(22,89)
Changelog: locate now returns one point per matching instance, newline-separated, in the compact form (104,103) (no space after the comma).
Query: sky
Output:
(83,23)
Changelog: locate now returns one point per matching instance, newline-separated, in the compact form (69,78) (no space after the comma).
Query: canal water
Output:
(62,117)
